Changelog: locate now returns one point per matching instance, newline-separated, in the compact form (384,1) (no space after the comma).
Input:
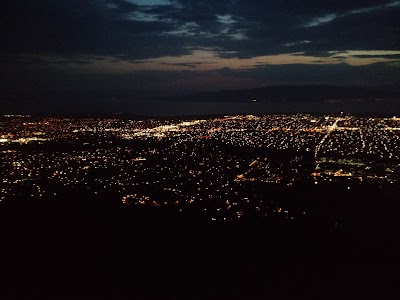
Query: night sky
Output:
(185,46)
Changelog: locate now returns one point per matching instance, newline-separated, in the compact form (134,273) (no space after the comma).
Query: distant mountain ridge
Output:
(292,93)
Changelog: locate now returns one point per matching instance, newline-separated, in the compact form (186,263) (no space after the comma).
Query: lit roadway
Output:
(331,128)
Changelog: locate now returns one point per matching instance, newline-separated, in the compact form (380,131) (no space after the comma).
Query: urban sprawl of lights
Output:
(220,165)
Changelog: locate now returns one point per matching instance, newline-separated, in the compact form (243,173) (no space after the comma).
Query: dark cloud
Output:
(80,28)
(367,31)
(121,6)
(112,27)
(387,56)
(270,28)
(340,74)
(189,65)
(32,60)
(53,33)
(29,78)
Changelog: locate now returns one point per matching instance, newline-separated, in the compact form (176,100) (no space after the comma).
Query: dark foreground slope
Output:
(79,249)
